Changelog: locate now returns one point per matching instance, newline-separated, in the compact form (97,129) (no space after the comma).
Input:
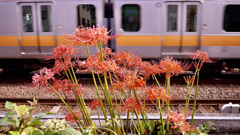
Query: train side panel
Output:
(140,21)
(221,29)
(8,31)
(72,14)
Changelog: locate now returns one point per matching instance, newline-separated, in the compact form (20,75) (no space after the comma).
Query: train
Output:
(153,29)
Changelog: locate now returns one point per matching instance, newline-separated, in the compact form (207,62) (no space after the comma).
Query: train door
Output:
(181,32)
(36,31)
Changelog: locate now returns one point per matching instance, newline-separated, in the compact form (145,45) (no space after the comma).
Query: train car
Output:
(30,29)
(156,28)
(153,29)
(160,28)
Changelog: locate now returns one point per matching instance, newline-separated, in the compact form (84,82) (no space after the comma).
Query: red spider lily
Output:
(95,104)
(64,51)
(174,117)
(169,66)
(63,85)
(78,90)
(155,93)
(42,78)
(133,80)
(102,34)
(122,57)
(202,56)
(148,69)
(132,104)
(127,59)
(62,65)
(179,120)
(134,61)
(94,63)
(70,117)
(117,86)
(107,53)
(189,79)
(91,35)
(84,35)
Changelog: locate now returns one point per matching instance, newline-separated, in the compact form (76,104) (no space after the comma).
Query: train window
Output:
(232,18)
(46,18)
(131,18)
(27,18)
(191,18)
(86,15)
(172,18)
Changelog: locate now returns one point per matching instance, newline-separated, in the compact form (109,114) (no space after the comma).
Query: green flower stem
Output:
(82,104)
(127,122)
(95,84)
(98,117)
(161,118)
(168,106)
(135,125)
(142,111)
(195,99)
(155,78)
(111,109)
(81,108)
(66,104)
(104,92)
(168,87)
(160,108)
(186,105)
(64,92)
(139,122)
(110,77)
(189,96)
(120,85)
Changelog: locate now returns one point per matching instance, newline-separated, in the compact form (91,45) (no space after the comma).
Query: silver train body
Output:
(30,29)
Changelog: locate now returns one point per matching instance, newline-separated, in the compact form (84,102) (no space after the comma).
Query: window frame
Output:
(223,18)
(79,18)
(139,15)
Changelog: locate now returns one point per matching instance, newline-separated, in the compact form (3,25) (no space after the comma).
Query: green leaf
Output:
(37,132)
(35,123)
(14,133)
(31,108)
(40,115)
(21,110)
(13,121)
(152,124)
(71,131)
(9,105)
(9,114)
(30,130)
(48,132)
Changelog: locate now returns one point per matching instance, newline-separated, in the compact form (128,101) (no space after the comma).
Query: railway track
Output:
(225,79)
(51,101)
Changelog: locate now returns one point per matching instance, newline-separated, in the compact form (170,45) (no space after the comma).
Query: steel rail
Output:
(53,101)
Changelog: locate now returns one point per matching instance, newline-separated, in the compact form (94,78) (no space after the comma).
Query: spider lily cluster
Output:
(124,74)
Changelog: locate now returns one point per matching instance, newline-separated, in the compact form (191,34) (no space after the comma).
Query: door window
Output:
(191,18)
(172,17)
(86,15)
(131,18)
(27,18)
(232,18)
(46,18)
